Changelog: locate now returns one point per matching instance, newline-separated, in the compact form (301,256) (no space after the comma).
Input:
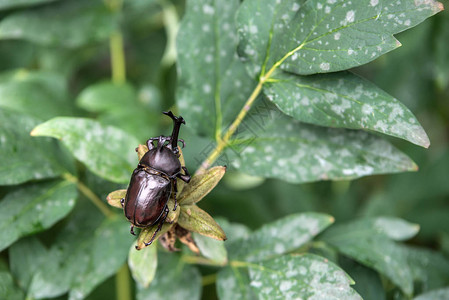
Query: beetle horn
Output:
(177,121)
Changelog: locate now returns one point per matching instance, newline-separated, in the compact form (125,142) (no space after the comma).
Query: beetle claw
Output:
(131,230)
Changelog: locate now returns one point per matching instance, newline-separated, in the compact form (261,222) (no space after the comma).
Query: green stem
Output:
(224,142)
(86,191)
(116,46)
(117,57)
(209,279)
(123,283)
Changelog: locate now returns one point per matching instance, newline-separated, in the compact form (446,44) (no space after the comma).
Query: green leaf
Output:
(195,219)
(211,248)
(68,24)
(114,198)
(441,54)
(344,100)
(8,4)
(279,237)
(26,257)
(106,96)
(27,158)
(109,252)
(430,269)
(235,231)
(372,246)
(394,228)
(174,280)
(201,185)
(34,208)
(434,295)
(274,145)
(306,37)
(234,283)
(68,256)
(300,277)
(142,264)
(210,76)
(42,95)
(8,290)
(106,151)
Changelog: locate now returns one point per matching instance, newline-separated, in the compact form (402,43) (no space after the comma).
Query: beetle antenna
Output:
(177,121)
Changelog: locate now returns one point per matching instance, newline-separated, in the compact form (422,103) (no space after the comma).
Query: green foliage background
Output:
(96,75)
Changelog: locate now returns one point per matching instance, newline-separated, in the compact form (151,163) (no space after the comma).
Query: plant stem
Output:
(117,57)
(123,283)
(86,191)
(116,47)
(223,143)
(209,279)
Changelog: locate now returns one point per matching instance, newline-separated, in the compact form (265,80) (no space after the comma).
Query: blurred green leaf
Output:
(107,96)
(8,4)
(174,280)
(142,264)
(234,283)
(67,23)
(210,76)
(344,100)
(8,290)
(211,248)
(430,269)
(195,219)
(39,94)
(369,244)
(34,208)
(280,237)
(441,53)
(274,145)
(440,294)
(26,257)
(107,255)
(303,276)
(309,37)
(106,151)
(367,281)
(68,256)
(26,158)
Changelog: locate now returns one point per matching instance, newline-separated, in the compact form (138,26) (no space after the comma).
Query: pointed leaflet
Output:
(195,219)
(25,157)
(279,147)
(107,151)
(174,280)
(108,253)
(343,100)
(142,264)
(316,36)
(211,77)
(300,277)
(282,236)
(234,283)
(34,208)
(68,24)
(370,244)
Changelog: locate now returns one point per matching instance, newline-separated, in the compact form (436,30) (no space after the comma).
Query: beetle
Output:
(154,179)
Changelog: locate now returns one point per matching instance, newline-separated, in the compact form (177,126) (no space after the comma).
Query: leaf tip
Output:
(331,219)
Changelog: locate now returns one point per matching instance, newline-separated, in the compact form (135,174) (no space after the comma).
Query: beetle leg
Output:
(131,230)
(122,202)
(183,143)
(150,142)
(184,177)
(159,227)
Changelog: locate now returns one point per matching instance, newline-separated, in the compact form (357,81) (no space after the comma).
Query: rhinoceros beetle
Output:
(152,182)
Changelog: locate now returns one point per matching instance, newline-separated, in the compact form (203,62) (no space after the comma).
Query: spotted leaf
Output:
(210,76)
(318,36)
(344,100)
(279,147)
(301,277)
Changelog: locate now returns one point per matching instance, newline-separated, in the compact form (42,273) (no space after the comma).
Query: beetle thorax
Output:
(162,159)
